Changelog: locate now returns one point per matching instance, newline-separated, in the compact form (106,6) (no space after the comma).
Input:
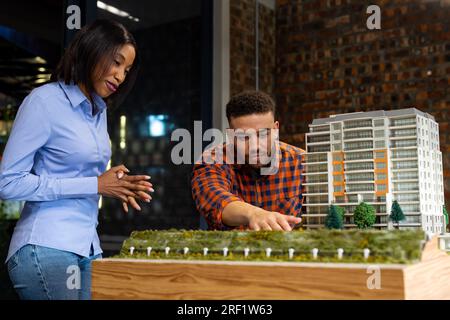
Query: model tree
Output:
(444,211)
(396,213)
(333,219)
(341,212)
(364,216)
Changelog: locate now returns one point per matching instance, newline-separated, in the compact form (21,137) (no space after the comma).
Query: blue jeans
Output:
(41,273)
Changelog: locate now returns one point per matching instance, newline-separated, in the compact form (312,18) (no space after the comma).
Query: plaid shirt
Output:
(216,185)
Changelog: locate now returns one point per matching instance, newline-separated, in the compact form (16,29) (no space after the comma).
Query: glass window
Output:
(381,165)
(337,126)
(379,133)
(379,154)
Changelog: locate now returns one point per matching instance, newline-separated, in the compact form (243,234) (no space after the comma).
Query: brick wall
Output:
(242,46)
(328,62)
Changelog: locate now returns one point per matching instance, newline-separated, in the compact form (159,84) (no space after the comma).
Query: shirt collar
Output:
(77,97)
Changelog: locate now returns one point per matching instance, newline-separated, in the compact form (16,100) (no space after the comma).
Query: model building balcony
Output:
(359,145)
(317,210)
(411,208)
(356,156)
(317,189)
(318,139)
(319,148)
(356,198)
(359,166)
(314,158)
(404,143)
(315,179)
(403,132)
(357,124)
(403,122)
(398,165)
(317,199)
(358,134)
(359,177)
(319,128)
(404,154)
(407,175)
(359,187)
(406,186)
(407,197)
(316,168)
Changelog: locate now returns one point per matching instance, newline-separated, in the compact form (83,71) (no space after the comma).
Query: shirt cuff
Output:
(85,186)
(223,204)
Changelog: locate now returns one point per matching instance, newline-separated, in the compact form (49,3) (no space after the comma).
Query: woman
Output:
(56,158)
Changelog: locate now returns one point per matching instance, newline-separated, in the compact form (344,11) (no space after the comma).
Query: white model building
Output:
(376,157)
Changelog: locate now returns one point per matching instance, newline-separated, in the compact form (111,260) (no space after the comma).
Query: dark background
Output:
(173,87)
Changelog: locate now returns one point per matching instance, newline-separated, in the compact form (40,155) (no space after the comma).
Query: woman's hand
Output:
(109,184)
(138,194)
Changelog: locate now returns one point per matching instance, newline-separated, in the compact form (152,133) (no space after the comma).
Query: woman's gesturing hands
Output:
(115,183)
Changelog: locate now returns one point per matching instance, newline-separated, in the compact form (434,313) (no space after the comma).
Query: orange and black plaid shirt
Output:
(216,185)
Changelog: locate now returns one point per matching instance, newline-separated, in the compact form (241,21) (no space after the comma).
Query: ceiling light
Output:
(116,11)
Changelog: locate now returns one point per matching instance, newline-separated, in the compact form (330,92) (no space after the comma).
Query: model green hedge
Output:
(393,246)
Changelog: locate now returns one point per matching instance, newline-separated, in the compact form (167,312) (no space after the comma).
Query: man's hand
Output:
(261,219)
(240,213)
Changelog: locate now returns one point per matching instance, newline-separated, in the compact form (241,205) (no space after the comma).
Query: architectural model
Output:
(375,157)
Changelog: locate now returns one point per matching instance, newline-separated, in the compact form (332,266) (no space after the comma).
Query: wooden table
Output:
(224,280)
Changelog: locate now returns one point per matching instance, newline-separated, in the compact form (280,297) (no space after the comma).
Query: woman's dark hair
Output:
(96,45)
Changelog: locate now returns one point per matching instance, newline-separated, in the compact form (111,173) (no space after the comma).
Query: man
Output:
(237,195)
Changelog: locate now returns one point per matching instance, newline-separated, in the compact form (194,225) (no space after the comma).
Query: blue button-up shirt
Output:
(56,150)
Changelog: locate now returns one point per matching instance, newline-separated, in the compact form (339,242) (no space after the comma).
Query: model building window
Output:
(320,129)
(381,176)
(380,144)
(379,154)
(358,155)
(325,148)
(336,126)
(359,166)
(321,138)
(360,177)
(358,145)
(379,122)
(358,124)
(381,165)
(379,133)
(381,187)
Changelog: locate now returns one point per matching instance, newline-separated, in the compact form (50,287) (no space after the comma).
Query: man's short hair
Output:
(249,102)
